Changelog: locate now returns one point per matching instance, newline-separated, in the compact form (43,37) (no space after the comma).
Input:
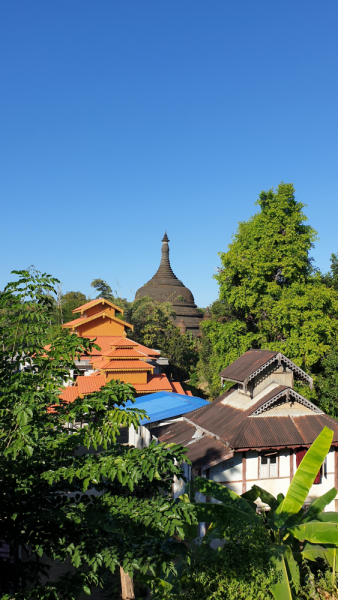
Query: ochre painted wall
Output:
(93,310)
(129,376)
(101,326)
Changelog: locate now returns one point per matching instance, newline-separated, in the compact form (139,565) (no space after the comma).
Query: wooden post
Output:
(127,586)
(243,472)
(291,465)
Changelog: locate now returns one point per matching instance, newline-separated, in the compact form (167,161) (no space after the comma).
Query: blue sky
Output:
(120,119)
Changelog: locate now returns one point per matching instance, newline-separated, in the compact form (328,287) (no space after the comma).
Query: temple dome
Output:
(166,287)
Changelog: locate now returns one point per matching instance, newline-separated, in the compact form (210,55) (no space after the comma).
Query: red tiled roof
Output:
(177,388)
(87,385)
(126,353)
(125,365)
(156,383)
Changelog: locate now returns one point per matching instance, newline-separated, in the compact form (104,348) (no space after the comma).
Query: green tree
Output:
(270,294)
(326,384)
(93,511)
(106,292)
(70,301)
(181,350)
(331,278)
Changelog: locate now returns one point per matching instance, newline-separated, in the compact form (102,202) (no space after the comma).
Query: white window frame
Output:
(270,469)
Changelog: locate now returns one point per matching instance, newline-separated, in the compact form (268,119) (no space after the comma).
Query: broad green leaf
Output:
(304,477)
(316,532)
(292,568)
(327,517)
(258,492)
(222,493)
(314,551)
(223,514)
(282,589)
(318,505)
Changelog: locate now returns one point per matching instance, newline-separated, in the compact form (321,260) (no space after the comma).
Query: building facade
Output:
(258,431)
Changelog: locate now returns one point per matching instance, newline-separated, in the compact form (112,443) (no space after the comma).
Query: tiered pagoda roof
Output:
(118,357)
(164,286)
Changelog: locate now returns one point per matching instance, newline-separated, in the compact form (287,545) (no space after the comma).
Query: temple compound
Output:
(118,357)
(165,287)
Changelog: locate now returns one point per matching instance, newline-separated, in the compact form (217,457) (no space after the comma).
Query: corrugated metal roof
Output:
(241,430)
(202,451)
(165,405)
(247,364)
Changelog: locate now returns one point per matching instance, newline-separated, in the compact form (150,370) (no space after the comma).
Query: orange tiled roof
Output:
(87,385)
(177,388)
(156,383)
(188,393)
(105,342)
(126,353)
(124,343)
(70,394)
(94,302)
(75,322)
(148,351)
(102,313)
(124,365)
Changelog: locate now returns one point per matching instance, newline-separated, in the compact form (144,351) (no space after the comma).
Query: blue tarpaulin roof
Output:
(166,405)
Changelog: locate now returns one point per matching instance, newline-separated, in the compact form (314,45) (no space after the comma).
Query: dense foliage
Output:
(270,296)
(241,570)
(68,491)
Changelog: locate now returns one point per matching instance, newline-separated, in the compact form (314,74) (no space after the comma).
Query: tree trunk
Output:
(127,586)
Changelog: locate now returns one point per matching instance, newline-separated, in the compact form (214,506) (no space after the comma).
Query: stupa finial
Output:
(165,237)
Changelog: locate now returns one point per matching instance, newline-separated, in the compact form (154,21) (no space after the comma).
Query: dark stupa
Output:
(165,287)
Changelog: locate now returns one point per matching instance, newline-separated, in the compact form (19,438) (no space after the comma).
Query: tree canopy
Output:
(69,491)
(270,295)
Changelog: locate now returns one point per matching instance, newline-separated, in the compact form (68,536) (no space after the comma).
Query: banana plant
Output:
(289,525)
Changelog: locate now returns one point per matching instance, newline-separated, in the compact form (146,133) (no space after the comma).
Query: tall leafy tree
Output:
(92,511)
(270,296)
(104,290)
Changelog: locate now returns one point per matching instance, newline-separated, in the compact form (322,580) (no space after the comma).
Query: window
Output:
(268,466)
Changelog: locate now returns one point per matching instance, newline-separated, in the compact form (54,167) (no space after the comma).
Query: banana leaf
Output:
(282,590)
(314,551)
(316,532)
(223,515)
(317,506)
(223,494)
(293,569)
(327,517)
(258,492)
(304,477)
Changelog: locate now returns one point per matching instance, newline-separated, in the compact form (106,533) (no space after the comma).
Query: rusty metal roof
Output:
(247,364)
(203,451)
(252,362)
(242,429)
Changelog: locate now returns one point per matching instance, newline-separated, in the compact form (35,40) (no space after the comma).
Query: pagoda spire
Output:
(165,271)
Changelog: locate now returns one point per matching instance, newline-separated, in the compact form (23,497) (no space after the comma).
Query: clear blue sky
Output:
(120,119)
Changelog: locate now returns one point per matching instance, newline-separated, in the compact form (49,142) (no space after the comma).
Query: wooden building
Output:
(257,431)
(118,358)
